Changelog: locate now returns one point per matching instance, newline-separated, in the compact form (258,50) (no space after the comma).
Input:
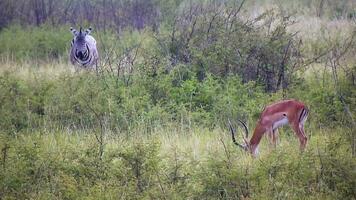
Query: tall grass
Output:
(172,165)
(151,129)
(53,146)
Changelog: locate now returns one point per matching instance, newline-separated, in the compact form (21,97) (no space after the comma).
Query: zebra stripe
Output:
(83,52)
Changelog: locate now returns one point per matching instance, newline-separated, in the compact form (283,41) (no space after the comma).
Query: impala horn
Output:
(233,134)
(245,127)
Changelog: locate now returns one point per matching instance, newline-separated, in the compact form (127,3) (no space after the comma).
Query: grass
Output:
(197,164)
(197,144)
(27,70)
(173,159)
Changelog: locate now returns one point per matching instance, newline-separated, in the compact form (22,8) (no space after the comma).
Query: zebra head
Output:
(83,48)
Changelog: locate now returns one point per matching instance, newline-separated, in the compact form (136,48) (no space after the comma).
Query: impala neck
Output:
(255,140)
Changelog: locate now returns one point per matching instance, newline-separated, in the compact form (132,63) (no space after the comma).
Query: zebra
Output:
(83,52)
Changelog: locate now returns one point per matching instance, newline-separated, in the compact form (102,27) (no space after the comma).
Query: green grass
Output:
(163,133)
(186,165)
(171,149)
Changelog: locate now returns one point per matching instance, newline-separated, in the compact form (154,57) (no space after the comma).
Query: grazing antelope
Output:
(290,112)
(83,52)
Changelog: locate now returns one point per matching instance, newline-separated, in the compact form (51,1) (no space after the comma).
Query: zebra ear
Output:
(75,32)
(88,31)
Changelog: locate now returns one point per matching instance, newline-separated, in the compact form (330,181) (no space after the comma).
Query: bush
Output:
(40,43)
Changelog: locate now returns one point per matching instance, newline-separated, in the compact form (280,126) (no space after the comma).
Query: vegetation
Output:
(151,123)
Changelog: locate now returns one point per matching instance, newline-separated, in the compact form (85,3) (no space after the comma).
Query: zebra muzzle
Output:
(80,55)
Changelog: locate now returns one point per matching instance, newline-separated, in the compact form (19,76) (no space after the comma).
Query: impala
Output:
(284,112)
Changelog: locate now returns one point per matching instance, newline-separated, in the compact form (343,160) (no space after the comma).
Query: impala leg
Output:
(275,137)
(270,136)
(299,130)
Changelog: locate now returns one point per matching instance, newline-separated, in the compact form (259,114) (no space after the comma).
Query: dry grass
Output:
(29,69)
(314,28)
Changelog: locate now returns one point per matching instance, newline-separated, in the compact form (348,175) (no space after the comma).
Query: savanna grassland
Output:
(151,123)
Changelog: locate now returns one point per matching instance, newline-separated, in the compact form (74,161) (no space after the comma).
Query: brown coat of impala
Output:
(284,112)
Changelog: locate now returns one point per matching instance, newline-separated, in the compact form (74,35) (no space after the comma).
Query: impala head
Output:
(245,145)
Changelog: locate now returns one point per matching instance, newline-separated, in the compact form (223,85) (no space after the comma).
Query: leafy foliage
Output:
(151,123)
(70,169)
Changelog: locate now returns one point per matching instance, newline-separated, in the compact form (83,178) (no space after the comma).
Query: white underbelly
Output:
(280,123)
